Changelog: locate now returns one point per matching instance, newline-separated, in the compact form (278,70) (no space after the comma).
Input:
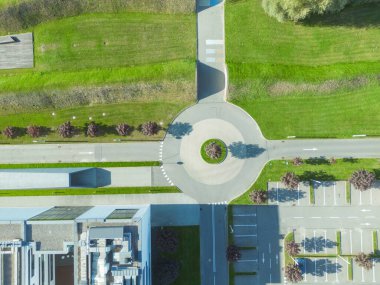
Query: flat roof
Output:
(60,213)
(122,214)
(106,232)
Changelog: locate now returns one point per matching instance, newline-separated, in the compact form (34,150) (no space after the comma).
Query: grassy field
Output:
(89,191)
(302,79)
(321,171)
(149,59)
(188,254)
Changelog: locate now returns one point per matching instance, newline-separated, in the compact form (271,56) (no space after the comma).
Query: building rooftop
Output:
(106,233)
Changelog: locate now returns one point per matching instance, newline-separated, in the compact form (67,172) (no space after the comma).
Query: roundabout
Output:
(225,177)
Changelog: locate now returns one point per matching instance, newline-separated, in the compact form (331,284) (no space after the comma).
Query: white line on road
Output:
(214,42)
(263,258)
(334,217)
(270,263)
(324,195)
(336,270)
(245,225)
(373,271)
(245,235)
(298,217)
(277,194)
(248,260)
(315,243)
(315,270)
(245,215)
(334,193)
(269,248)
(363,274)
(361,240)
(86,152)
(312,149)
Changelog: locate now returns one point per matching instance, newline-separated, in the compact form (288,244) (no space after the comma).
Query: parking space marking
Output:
(304,265)
(315,244)
(373,271)
(360,197)
(245,225)
(298,200)
(336,270)
(363,274)
(370,192)
(315,270)
(324,194)
(361,240)
(277,194)
(246,235)
(335,193)
(245,215)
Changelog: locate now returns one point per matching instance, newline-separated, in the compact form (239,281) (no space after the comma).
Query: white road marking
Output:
(214,42)
(277,193)
(245,215)
(210,59)
(324,194)
(312,149)
(304,242)
(370,192)
(263,258)
(86,152)
(269,248)
(245,225)
(298,217)
(363,274)
(270,264)
(315,270)
(373,271)
(247,260)
(210,51)
(334,217)
(336,270)
(304,264)
(246,235)
(334,193)
(298,200)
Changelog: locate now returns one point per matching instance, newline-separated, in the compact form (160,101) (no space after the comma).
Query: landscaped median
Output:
(319,169)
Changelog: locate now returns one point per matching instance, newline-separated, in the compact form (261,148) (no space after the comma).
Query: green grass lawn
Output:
(148,58)
(302,79)
(89,191)
(188,254)
(134,114)
(342,170)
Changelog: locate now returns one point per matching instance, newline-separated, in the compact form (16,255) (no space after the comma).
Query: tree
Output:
(297,161)
(293,273)
(33,131)
(290,179)
(168,272)
(167,240)
(150,128)
(66,130)
(233,253)
(258,196)
(362,179)
(92,129)
(364,260)
(9,132)
(123,129)
(292,248)
(213,150)
(298,10)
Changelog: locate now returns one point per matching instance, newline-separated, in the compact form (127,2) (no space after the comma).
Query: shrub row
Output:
(67,130)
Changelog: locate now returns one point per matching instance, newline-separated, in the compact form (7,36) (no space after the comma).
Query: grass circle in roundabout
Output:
(214,151)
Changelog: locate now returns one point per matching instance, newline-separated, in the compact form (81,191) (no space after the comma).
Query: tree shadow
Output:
(317,244)
(179,130)
(316,175)
(320,266)
(317,185)
(358,16)
(242,151)
(285,195)
(350,159)
(317,160)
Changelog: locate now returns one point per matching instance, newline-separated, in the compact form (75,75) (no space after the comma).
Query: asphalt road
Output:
(213,227)
(51,153)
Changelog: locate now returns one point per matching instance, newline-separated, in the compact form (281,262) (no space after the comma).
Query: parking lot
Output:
(316,241)
(330,193)
(279,194)
(368,197)
(244,231)
(321,270)
(355,241)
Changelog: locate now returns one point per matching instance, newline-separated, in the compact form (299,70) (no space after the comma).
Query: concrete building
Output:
(103,245)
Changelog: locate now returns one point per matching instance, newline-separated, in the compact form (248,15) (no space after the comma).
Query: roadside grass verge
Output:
(375,242)
(288,238)
(348,192)
(89,191)
(350,269)
(81,164)
(301,79)
(338,243)
(342,170)
(312,193)
(134,114)
(188,254)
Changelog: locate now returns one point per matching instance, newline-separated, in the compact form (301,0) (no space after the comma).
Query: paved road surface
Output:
(213,227)
(51,153)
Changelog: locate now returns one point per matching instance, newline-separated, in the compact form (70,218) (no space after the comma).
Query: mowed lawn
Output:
(318,169)
(98,49)
(317,79)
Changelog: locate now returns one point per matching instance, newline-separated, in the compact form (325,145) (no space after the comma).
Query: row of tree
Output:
(293,272)
(361,179)
(67,130)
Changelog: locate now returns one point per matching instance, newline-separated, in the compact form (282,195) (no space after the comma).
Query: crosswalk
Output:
(214,51)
